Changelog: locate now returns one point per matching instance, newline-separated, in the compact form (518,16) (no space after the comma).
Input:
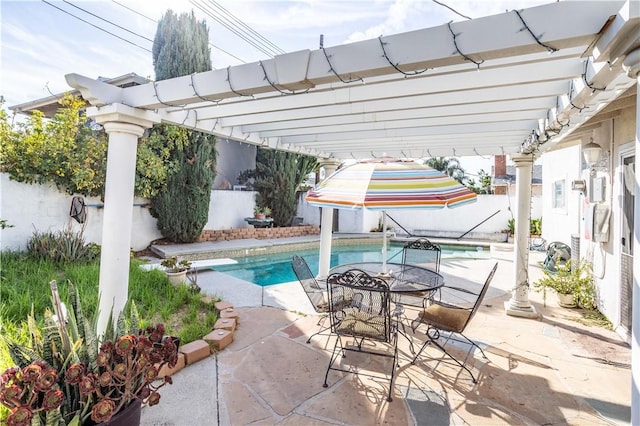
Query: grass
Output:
(24,285)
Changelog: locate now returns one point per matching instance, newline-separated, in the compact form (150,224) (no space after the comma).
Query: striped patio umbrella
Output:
(389,184)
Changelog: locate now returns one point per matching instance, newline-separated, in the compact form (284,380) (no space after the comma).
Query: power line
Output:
(234,29)
(97,27)
(451,9)
(247,27)
(137,13)
(107,21)
(155,22)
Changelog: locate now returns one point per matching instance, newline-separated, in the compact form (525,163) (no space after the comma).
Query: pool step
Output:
(196,265)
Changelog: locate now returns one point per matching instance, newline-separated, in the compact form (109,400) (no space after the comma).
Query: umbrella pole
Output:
(384,242)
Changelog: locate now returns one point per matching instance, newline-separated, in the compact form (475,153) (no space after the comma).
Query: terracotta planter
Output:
(177,278)
(130,416)
(566,300)
(260,216)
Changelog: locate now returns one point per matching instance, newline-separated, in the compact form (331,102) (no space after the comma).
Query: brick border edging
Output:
(214,341)
(211,235)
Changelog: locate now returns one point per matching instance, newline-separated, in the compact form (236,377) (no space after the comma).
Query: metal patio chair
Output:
(424,253)
(359,312)
(314,291)
(452,320)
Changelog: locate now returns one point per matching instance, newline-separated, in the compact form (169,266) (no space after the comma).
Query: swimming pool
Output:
(275,268)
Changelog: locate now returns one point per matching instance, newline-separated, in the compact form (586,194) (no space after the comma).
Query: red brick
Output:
(225,324)
(230,313)
(195,351)
(219,339)
(166,371)
(222,305)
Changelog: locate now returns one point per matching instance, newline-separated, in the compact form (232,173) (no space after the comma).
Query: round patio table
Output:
(402,278)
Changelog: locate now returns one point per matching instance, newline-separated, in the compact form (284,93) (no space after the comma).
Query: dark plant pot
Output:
(176,340)
(130,416)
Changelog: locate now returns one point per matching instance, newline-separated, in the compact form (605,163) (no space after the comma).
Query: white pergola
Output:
(517,83)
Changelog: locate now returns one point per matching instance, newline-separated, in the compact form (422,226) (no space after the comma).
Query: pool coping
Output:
(254,247)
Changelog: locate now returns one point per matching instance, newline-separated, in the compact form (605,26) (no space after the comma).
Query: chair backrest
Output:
(309,283)
(359,305)
(481,295)
(422,252)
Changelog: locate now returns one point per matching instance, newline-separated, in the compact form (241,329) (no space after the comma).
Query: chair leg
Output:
(393,367)
(476,345)
(321,321)
(333,358)
(473,378)
(432,337)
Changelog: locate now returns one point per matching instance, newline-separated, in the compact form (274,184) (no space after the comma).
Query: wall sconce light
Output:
(591,152)
(596,158)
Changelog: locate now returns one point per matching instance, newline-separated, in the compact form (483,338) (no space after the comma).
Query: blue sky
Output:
(40,44)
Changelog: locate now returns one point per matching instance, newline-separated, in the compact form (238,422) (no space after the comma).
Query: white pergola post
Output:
(326,225)
(519,304)
(124,125)
(632,66)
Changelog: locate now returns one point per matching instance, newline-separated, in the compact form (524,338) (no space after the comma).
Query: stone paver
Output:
(551,370)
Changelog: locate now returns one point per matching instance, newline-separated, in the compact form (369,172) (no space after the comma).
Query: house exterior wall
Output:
(561,168)
(617,135)
(234,158)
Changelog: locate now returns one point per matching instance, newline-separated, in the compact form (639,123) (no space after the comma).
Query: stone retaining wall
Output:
(258,233)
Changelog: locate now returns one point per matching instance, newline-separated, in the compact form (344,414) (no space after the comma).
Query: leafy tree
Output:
(185,203)
(484,183)
(64,150)
(181,47)
(449,165)
(70,151)
(277,177)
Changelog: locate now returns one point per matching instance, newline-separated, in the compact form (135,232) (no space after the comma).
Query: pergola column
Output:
(326,224)
(124,125)
(519,304)
(632,65)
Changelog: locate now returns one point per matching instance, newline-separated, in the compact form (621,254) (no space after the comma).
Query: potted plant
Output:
(63,378)
(572,282)
(176,269)
(261,212)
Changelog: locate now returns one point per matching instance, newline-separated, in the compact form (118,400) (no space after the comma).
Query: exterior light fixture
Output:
(591,152)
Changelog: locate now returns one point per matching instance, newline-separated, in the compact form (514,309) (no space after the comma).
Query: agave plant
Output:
(64,378)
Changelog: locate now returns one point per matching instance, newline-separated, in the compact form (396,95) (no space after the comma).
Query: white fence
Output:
(43,208)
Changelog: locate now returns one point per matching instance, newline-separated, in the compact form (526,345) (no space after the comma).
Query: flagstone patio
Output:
(552,370)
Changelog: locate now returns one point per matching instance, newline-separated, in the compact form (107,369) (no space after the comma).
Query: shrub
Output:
(571,278)
(62,246)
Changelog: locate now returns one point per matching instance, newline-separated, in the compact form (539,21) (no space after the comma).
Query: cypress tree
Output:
(181,47)
(277,177)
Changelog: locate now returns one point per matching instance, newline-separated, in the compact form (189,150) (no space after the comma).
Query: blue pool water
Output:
(275,268)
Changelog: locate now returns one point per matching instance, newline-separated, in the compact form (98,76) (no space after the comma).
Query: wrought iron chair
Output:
(314,291)
(360,309)
(440,317)
(424,253)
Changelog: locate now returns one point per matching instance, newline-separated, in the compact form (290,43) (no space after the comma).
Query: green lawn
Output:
(24,286)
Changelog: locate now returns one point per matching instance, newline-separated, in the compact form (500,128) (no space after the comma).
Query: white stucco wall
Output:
(613,135)
(458,220)
(44,208)
(561,167)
